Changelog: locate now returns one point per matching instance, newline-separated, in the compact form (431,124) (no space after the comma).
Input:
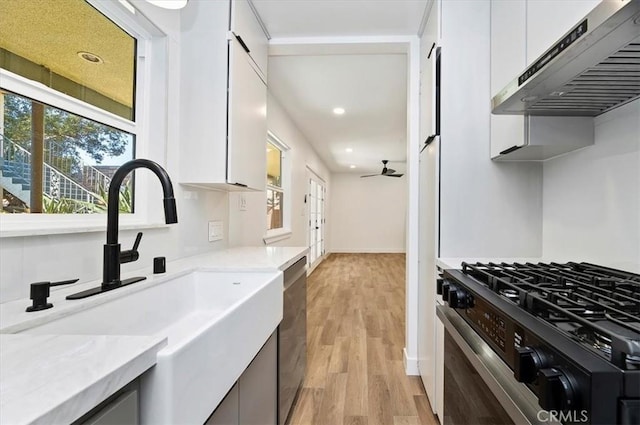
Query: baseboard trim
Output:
(410,364)
(368,251)
(312,268)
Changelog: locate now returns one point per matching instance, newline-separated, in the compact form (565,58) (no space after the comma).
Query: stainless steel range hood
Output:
(592,69)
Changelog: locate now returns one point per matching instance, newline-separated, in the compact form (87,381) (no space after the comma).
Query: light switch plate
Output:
(216,231)
(242,202)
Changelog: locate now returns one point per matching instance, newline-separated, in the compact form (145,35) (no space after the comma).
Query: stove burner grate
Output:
(598,306)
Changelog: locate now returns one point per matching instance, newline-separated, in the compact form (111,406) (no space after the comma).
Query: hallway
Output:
(355,322)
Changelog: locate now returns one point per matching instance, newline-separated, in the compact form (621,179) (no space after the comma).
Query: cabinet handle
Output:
(239,184)
(509,150)
(242,43)
(427,142)
(433,46)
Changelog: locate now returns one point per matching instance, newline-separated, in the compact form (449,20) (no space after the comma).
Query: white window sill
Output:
(276,236)
(13,229)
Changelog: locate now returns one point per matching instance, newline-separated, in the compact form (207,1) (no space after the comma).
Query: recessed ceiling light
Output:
(349,150)
(352,166)
(90,57)
(338,111)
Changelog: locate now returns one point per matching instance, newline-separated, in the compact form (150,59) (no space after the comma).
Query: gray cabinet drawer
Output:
(122,411)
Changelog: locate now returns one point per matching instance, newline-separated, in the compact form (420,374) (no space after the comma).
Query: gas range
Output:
(570,332)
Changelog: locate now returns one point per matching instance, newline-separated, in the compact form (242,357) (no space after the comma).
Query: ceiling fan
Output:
(389,172)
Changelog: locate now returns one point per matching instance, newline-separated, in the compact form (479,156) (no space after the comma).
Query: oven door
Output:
(479,388)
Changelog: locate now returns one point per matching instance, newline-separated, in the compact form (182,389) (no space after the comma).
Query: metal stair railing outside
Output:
(58,186)
(93,179)
(20,157)
(53,180)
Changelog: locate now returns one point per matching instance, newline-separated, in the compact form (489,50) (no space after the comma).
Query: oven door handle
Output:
(518,401)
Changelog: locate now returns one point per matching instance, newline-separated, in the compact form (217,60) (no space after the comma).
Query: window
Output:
(76,158)
(277,189)
(275,195)
(69,99)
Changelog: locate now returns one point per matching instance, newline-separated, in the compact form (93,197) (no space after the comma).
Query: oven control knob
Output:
(526,364)
(555,391)
(445,291)
(453,297)
(458,298)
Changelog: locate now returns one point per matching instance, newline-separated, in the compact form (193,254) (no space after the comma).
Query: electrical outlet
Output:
(242,202)
(216,231)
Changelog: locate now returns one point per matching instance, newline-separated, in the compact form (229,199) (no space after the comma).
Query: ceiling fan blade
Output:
(388,171)
(394,175)
(370,175)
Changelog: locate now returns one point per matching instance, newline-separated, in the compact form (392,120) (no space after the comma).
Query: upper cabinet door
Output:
(428,46)
(244,24)
(548,20)
(247,126)
(508,58)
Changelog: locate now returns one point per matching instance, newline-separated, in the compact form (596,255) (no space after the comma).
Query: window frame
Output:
(152,45)
(284,232)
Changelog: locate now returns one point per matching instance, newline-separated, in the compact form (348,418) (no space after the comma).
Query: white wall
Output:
(367,215)
(36,258)
(592,196)
(249,227)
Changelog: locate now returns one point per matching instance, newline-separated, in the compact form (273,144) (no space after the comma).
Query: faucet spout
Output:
(170,213)
(121,173)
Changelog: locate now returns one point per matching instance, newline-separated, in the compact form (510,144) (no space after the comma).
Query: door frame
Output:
(313,176)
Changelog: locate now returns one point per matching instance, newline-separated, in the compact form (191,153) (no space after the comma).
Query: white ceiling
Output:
(372,88)
(319,18)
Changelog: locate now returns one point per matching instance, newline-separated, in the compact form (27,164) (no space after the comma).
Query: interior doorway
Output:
(316,196)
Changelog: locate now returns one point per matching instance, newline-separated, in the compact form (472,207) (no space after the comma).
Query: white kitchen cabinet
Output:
(247,127)
(428,206)
(246,27)
(223,98)
(508,58)
(427,274)
(439,384)
(428,47)
(548,20)
(521,30)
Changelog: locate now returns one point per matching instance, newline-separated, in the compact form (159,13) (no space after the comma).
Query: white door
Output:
(315,201)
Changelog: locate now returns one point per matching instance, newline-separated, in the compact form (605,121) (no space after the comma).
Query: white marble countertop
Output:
(261,258)
(55,379)
(52,363)
(13,317)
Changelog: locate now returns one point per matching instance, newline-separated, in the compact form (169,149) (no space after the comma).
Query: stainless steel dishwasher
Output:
(292,338)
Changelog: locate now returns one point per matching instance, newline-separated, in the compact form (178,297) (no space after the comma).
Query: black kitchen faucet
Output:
(113,256)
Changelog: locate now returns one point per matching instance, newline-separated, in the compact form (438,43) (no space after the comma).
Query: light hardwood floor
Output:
(355,336)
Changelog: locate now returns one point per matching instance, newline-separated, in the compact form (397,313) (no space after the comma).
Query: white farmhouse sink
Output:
(215,322)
